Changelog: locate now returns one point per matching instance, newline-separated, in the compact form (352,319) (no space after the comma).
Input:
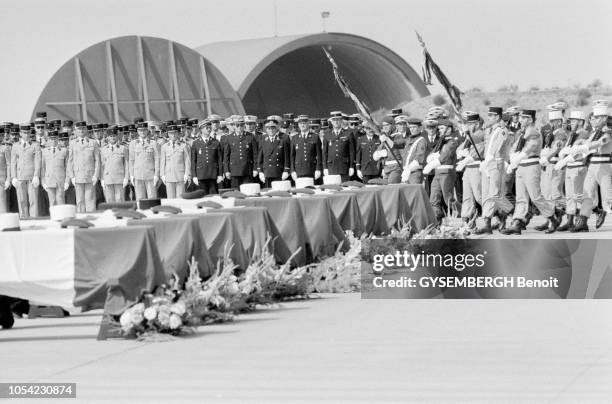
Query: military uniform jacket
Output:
(448,153)
(83,160)
(115,163)
(5,163)
(239,154)
(306,154)
(415,150)
(363,155)
(54,164)
(175,161)
(144,159)
(206,159)
(339,152)
(533,142)
(274,156)
(25,161)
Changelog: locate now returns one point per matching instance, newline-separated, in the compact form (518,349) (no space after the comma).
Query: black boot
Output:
(542,227)
(553,222)
(528,217)
(517,225)
(502,221)
(486,229)
(568,225)
(601,218)
(580,225)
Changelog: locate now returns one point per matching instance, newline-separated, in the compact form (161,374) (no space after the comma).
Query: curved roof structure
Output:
(125,77)
(274,75)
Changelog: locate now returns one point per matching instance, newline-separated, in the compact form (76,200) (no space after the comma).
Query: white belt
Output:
(601,159)
(530,160)
(445,166)
(576,164)
(391,163)
(554,159)
(473,165)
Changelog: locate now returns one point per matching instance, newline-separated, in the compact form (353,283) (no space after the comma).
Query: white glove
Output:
(431,166)
(163,178)
(326,172)
(185,177)
(294,176)
(15,182)
(66,184)
(228,175)
(413,165)
(262,177)
(433,156)
(359,174)
(405,175)
(580,149)
(255,173)
(515,159)
(317,174)
(563,162)
(155,179)
(285,175)
(131,180)
(351,172)
(45,187)
(195,181)
(219,179)
(7,184)
(463,153)
(564,152)
(102,183)
(35,182)
(543,161)
(125,182)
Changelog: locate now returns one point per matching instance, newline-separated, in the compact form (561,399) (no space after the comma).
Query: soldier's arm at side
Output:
(69,168)
(97,165)
(187,156)
(292,144)
(287,154)
(13,170)
(324,151)
(162,161)
(219,159)
(131,158)
(319,151)
(351,151)
(226,155)
(156,159)
(194,159)
(37,160)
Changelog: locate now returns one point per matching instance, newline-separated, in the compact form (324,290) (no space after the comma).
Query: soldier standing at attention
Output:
(306,152)
(84,168)
(175,164)
(53,169)
(5,169)
(416,153)
(115,168)
(144,164)
(25,171)
(339,149)
(274,158)
(206,160)
(239,154)
(367,167)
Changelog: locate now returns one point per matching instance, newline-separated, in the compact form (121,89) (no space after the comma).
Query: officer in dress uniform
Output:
(25,171)
(367,167)
(115,168)
(526,160)
(84,168)
(5,168)
(239,154)
(53,169)
(207,160)
(306,151)
(339,149)
(175,164)
(274,154)
(144,164)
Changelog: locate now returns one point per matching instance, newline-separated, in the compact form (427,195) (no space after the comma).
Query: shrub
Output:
(583,97)
(533,89)
(438,100)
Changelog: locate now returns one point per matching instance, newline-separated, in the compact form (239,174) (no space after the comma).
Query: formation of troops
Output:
(501,167)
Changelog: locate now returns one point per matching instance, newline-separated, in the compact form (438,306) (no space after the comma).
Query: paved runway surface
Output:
(337,348)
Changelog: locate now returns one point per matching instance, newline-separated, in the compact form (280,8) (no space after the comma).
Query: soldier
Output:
(144,164)
(430,124)
(25,171)
(250,125)
(84,168)
(206,160)
(40,127)
(53,169)
(598,149)
(396,144)
(526,160)
(442,162)
(416,153)
(175,164)
(274,159)
(306,152)
(575,174)
(367,145)
(115,168)
(471,151)
(239,154)
(338,149)
(5,169)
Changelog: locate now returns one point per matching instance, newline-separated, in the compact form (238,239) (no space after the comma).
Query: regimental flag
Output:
(453,92)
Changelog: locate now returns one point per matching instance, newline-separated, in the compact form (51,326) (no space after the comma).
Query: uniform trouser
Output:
(209,186)
(415,177)
(472,187)
(508,186)
(393,172)
(552,185)
(597,174)
(27,199)
(442,191)
(427,180)
(114,193)
(145,189)
(528,188)
(239,180)
(85,197)
(574,189)
(492,199)
(56,195)
(459,189)
(174,189)
(4,201)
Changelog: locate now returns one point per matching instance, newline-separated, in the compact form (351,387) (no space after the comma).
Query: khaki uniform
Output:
(495,152)
(472,178)
(175,162)
(115,171)
(54,163)
(575,174)
(25,165)
(83,166)
(144,165)
(5,175)
(552,180)
(599,173)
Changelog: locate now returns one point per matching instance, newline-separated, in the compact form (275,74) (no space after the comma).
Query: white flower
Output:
(126,321)
(164,319)
(138,308)
(175,322)
(178,308)
(150,313)
(137,317)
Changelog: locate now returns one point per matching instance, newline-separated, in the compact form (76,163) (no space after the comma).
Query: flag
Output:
(453,92)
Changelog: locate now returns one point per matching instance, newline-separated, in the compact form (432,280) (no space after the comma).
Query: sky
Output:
(477,43)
